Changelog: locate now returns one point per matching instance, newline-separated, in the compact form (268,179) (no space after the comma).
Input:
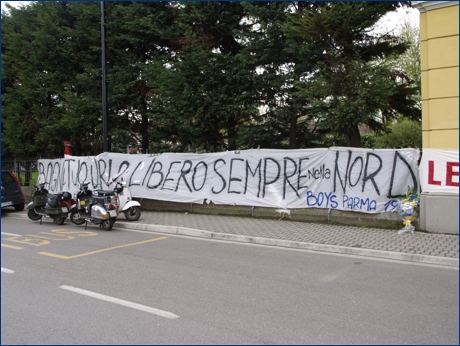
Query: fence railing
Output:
(26,170)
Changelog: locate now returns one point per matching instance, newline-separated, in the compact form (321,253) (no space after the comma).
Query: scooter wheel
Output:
(33,215)
(76,219)
(133,213)
(108,224)
(59,220)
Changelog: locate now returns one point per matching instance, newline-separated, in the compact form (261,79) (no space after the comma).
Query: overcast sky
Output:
(397,18)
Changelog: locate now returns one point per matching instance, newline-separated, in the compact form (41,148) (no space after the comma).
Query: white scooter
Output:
(126,205)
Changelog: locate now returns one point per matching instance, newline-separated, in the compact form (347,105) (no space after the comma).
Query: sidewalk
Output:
(419,247)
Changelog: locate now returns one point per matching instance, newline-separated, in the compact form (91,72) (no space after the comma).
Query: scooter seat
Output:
(52,201)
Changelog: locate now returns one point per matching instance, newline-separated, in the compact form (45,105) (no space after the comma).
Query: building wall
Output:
(440,111)
(439,59)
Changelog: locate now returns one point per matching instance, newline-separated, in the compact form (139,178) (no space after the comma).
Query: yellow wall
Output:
(440,83)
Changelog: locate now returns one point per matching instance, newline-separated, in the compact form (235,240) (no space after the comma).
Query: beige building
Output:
(440,118)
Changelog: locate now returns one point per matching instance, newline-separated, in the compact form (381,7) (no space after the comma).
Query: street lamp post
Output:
(104,85)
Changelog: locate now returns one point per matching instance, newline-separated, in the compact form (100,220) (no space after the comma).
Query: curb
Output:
(191,232)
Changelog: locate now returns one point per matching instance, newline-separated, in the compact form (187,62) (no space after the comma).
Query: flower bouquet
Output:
(408,208)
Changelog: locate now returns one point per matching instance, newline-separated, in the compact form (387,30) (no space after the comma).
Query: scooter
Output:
(131,209)
(55,206)
(100,208)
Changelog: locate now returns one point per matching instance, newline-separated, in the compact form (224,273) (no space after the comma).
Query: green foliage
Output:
(350,84)
(402,134)
(410,60)
(201,76)
(209,85)
(368,141)
(52,74)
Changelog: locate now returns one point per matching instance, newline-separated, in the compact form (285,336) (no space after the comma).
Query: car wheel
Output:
(19,207)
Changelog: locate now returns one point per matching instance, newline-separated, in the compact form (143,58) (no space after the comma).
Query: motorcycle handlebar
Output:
(84,186)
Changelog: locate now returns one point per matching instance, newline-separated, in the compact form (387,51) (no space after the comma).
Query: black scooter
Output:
(56,206)
(99,208)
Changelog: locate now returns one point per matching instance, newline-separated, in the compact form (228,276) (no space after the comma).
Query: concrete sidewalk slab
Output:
(419,247)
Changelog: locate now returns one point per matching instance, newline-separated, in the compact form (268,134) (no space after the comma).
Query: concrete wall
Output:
(383,220)
(440,213)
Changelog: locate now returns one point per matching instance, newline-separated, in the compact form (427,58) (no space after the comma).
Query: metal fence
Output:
(26,170)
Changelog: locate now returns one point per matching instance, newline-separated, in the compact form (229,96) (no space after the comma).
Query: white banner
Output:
(363,180)
(439,171)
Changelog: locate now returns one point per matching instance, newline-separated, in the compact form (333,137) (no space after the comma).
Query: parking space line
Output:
(126,303)
(8,271)
(98,251)
(12,234)
(12,247)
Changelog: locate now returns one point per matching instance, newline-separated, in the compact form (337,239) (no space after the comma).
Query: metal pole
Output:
(104,86)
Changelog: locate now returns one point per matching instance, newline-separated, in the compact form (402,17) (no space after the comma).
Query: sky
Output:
(396,19)
(390,22)
(14,3)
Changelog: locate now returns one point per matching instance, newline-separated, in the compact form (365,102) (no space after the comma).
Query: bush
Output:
(368,140)
(403,134)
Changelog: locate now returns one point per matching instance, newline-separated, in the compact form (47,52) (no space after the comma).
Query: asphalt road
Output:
(65,285)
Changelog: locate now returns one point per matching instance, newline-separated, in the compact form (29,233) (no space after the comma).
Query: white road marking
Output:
(12,234)
(8,271)
(144,308)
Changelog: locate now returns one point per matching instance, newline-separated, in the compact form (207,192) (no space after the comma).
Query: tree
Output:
(352,83)
(137,34)
(287,114)
(199,76)
(207,86)
(54,50)
(410,61)
(19,130)
(51,72)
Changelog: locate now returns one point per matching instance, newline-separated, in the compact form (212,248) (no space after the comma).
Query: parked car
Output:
(12,195)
